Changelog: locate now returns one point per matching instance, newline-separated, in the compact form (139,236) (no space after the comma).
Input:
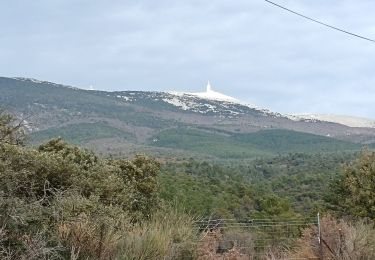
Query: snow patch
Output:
(214,95)
(350,121)
(43,82)
(176,102)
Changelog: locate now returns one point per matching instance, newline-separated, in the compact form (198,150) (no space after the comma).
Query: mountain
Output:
(207,124)
(213,95)
(342,119)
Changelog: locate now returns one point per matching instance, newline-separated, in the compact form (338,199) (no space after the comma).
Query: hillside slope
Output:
(167,123)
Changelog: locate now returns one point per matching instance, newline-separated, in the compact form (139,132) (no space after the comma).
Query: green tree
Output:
(141,175)
(11,131)
(353,193)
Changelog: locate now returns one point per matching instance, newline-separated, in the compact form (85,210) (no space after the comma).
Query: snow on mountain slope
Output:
(205,103)
(31,80)
(212,101)
(211,94)
(350,121)
(208,103)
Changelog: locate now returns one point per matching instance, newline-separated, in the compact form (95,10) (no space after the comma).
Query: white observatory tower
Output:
(208,88)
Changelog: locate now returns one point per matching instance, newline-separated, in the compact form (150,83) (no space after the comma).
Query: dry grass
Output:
(343,240)
(165,236)
(210,243)
(5,252)
(34,247)
(89,239)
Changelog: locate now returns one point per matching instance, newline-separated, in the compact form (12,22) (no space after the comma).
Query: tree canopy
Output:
(353,193)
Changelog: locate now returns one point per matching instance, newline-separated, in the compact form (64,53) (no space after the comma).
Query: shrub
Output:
(168,235)
(353,193)
(11,131)
(342,240)
(63,201)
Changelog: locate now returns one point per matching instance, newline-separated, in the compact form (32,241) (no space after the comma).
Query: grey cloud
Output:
(248,49)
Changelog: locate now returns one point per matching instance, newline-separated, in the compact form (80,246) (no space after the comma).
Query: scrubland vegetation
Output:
(58,201)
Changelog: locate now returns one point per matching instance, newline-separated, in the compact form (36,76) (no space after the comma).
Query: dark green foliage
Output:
(145,120)
(353,192)
(261,143)
(49,194)
(243,189)
(211,190)
(129,184)
(81,133)
(68,102)
(272,205)
(25,93)
(202,142)
(286,141)
(302,178)
(140,174)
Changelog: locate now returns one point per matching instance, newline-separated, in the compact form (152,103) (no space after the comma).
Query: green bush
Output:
(62,201)
(353,192)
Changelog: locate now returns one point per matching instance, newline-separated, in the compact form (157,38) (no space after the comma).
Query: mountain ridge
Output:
(210,94)
(119,120)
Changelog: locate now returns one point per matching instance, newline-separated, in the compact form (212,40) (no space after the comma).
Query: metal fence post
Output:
(320,239)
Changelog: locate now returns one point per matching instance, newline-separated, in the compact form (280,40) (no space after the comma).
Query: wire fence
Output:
(251,238)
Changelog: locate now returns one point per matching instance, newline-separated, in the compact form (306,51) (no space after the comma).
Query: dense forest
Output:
(59,201)
(295,182)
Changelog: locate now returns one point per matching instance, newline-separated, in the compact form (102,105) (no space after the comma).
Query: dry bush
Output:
(168,235)
(87,238)
(342,240)
(242,240)
(229,244)
(86,228)
(6,252)
(238,244)
(276,253)
(359,242)
(34,247)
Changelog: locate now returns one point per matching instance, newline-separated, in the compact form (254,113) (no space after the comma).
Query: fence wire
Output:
(250,238)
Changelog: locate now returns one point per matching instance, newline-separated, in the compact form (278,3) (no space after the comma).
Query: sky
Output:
(248,49)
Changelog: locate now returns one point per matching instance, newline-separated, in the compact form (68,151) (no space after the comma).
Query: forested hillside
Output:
(294,183)
(168,125)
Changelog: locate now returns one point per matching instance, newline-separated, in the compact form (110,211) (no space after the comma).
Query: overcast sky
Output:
(248,49)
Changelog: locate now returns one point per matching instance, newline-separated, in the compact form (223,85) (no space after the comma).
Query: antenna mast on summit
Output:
(208,88)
